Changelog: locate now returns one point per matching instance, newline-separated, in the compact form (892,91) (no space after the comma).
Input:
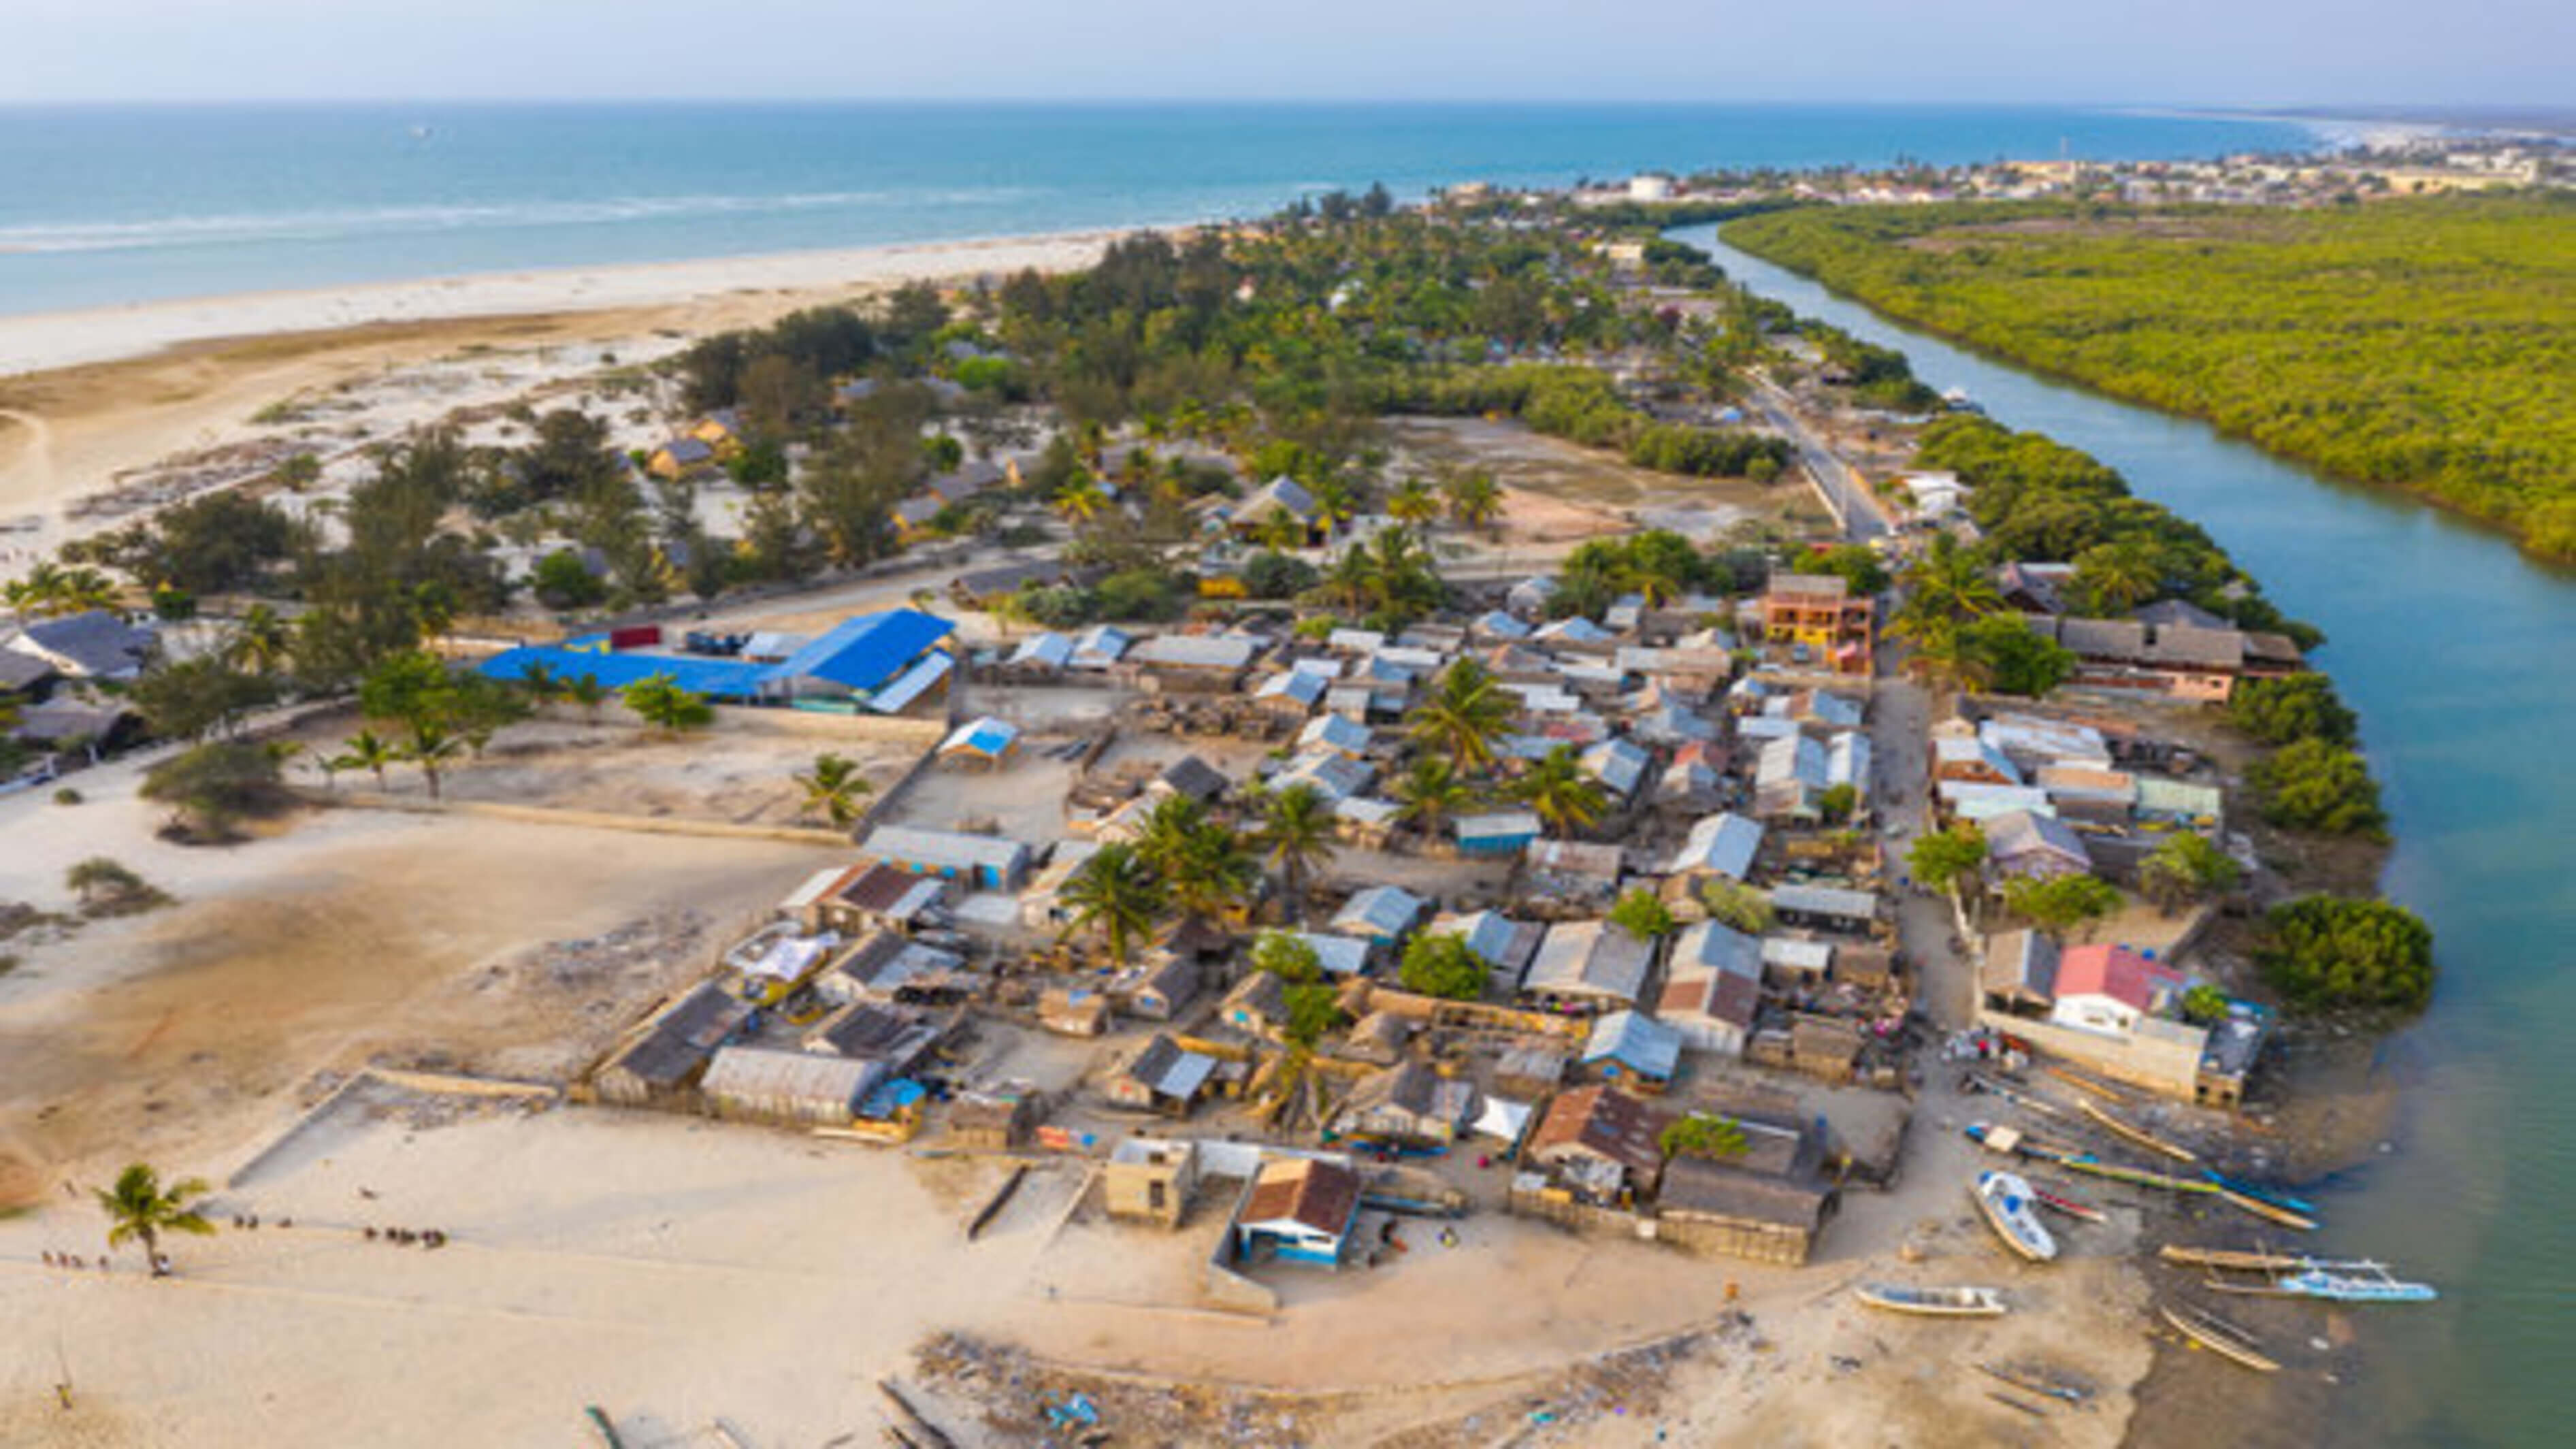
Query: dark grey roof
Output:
(20,670)
(94,640)
(684,1037)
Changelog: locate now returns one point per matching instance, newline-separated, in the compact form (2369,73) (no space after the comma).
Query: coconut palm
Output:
(1463,716)
(1168,830)
(1414,504)
(366,750)
(589,693)
(659,701)
(1115,894)
(2118,577)
(1475,500)
(542,683)
(1214,874)
(259,641)
(1335,505)
(833,789)
(1557,790)
(140,1209)
(1431,792)
(432,747)
(1297,834)
(50,589)
(1081,498)
(1947,583)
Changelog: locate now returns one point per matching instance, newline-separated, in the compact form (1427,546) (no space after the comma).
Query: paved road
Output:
(1845,494)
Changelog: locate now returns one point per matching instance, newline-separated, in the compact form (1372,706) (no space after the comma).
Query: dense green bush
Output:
(2294,707)
(2316,785)
(2326,951)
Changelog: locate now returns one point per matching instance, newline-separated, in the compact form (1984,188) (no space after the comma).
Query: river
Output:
(2460,656)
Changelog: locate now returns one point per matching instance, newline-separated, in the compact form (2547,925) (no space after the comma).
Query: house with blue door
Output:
(979,862)
(1300,1210)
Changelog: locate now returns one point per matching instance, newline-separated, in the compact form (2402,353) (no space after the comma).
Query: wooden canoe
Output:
(2250,1262)
(2220,1337)
(2139,1135)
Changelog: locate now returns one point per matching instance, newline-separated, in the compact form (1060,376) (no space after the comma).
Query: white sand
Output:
(43,341)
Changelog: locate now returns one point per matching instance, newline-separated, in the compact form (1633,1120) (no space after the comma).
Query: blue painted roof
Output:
(716,678)
(864,652)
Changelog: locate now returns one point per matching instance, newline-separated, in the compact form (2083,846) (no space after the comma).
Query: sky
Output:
(2250,53)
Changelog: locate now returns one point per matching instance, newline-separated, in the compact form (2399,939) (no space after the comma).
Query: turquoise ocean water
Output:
(107,205)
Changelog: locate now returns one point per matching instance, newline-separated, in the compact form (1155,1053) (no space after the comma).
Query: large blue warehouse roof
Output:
(865,652)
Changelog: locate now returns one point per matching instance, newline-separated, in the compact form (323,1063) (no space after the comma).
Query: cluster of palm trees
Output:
(1391,578)
(1455,765)
(1186,860)
(50,590)
(1947,589)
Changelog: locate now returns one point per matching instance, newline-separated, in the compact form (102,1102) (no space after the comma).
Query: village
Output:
(1546,871)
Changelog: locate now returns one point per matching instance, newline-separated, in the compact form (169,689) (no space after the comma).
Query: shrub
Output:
(1641,915)
(2295,707)
(212,786)
(2313,784)
(561,581)
(2326,951)
(1441,965)
(1271,574)
(67,796)
(1703,1135)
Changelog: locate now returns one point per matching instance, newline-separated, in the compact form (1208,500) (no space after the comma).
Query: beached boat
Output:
(1958,1302)
(2133,1133)
(2259,1192)
(2353,1282)
(2220,1337)
(2241,1260)
(2082,1212)
(2268,1211)
(2090,1165)
(2006,1201)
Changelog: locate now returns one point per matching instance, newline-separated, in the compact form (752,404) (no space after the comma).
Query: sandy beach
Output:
(44,341)
(107,413)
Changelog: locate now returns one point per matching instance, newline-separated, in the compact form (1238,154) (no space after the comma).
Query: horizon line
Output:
(2212,109)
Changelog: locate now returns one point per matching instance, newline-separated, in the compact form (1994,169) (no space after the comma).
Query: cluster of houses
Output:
(59,683)
(1590,1038)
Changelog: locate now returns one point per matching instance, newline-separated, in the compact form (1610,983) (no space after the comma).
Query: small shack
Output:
(792,1088)
(1148,1180)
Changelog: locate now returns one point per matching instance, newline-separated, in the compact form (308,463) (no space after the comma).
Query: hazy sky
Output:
(2200,52)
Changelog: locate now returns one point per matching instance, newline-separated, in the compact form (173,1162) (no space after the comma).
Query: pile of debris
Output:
(613,960)
(1025,1400)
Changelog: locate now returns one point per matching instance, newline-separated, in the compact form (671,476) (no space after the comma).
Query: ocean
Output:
(102,206)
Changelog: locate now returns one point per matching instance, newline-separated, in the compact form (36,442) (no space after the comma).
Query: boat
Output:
(2006,1201)
(2080,1211)
(2090,1165)
(2258,1192)
(2267,1211)
(2332,1282)
(2220,1337)
(1959,1302)
(2238,1259)
(2139,1135)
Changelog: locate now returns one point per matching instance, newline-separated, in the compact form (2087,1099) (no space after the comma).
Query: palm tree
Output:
(1414,504)
(139,1208)
(1948,582)
(1475,500)
(1213,875)
(542,683)
(1297,832)
(431,747)
(659,701)
(1116,894)
(259,641)
(589,693)
(1462,717)
(833,789)
(1432,792)
(370,752)
(1168,831)
(50,589)
(1335,505)
(1281,530)
(1081,498)
(1559,792)
(2118,577)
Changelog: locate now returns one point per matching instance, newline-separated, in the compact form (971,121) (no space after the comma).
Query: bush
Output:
(561,581)
(2313,784)
(67,796)
(2325,952)
(1287,957)
(213,786)
(1147,595)
(1271,574)
(1441,965)
(2294,707)
(1703,1135)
